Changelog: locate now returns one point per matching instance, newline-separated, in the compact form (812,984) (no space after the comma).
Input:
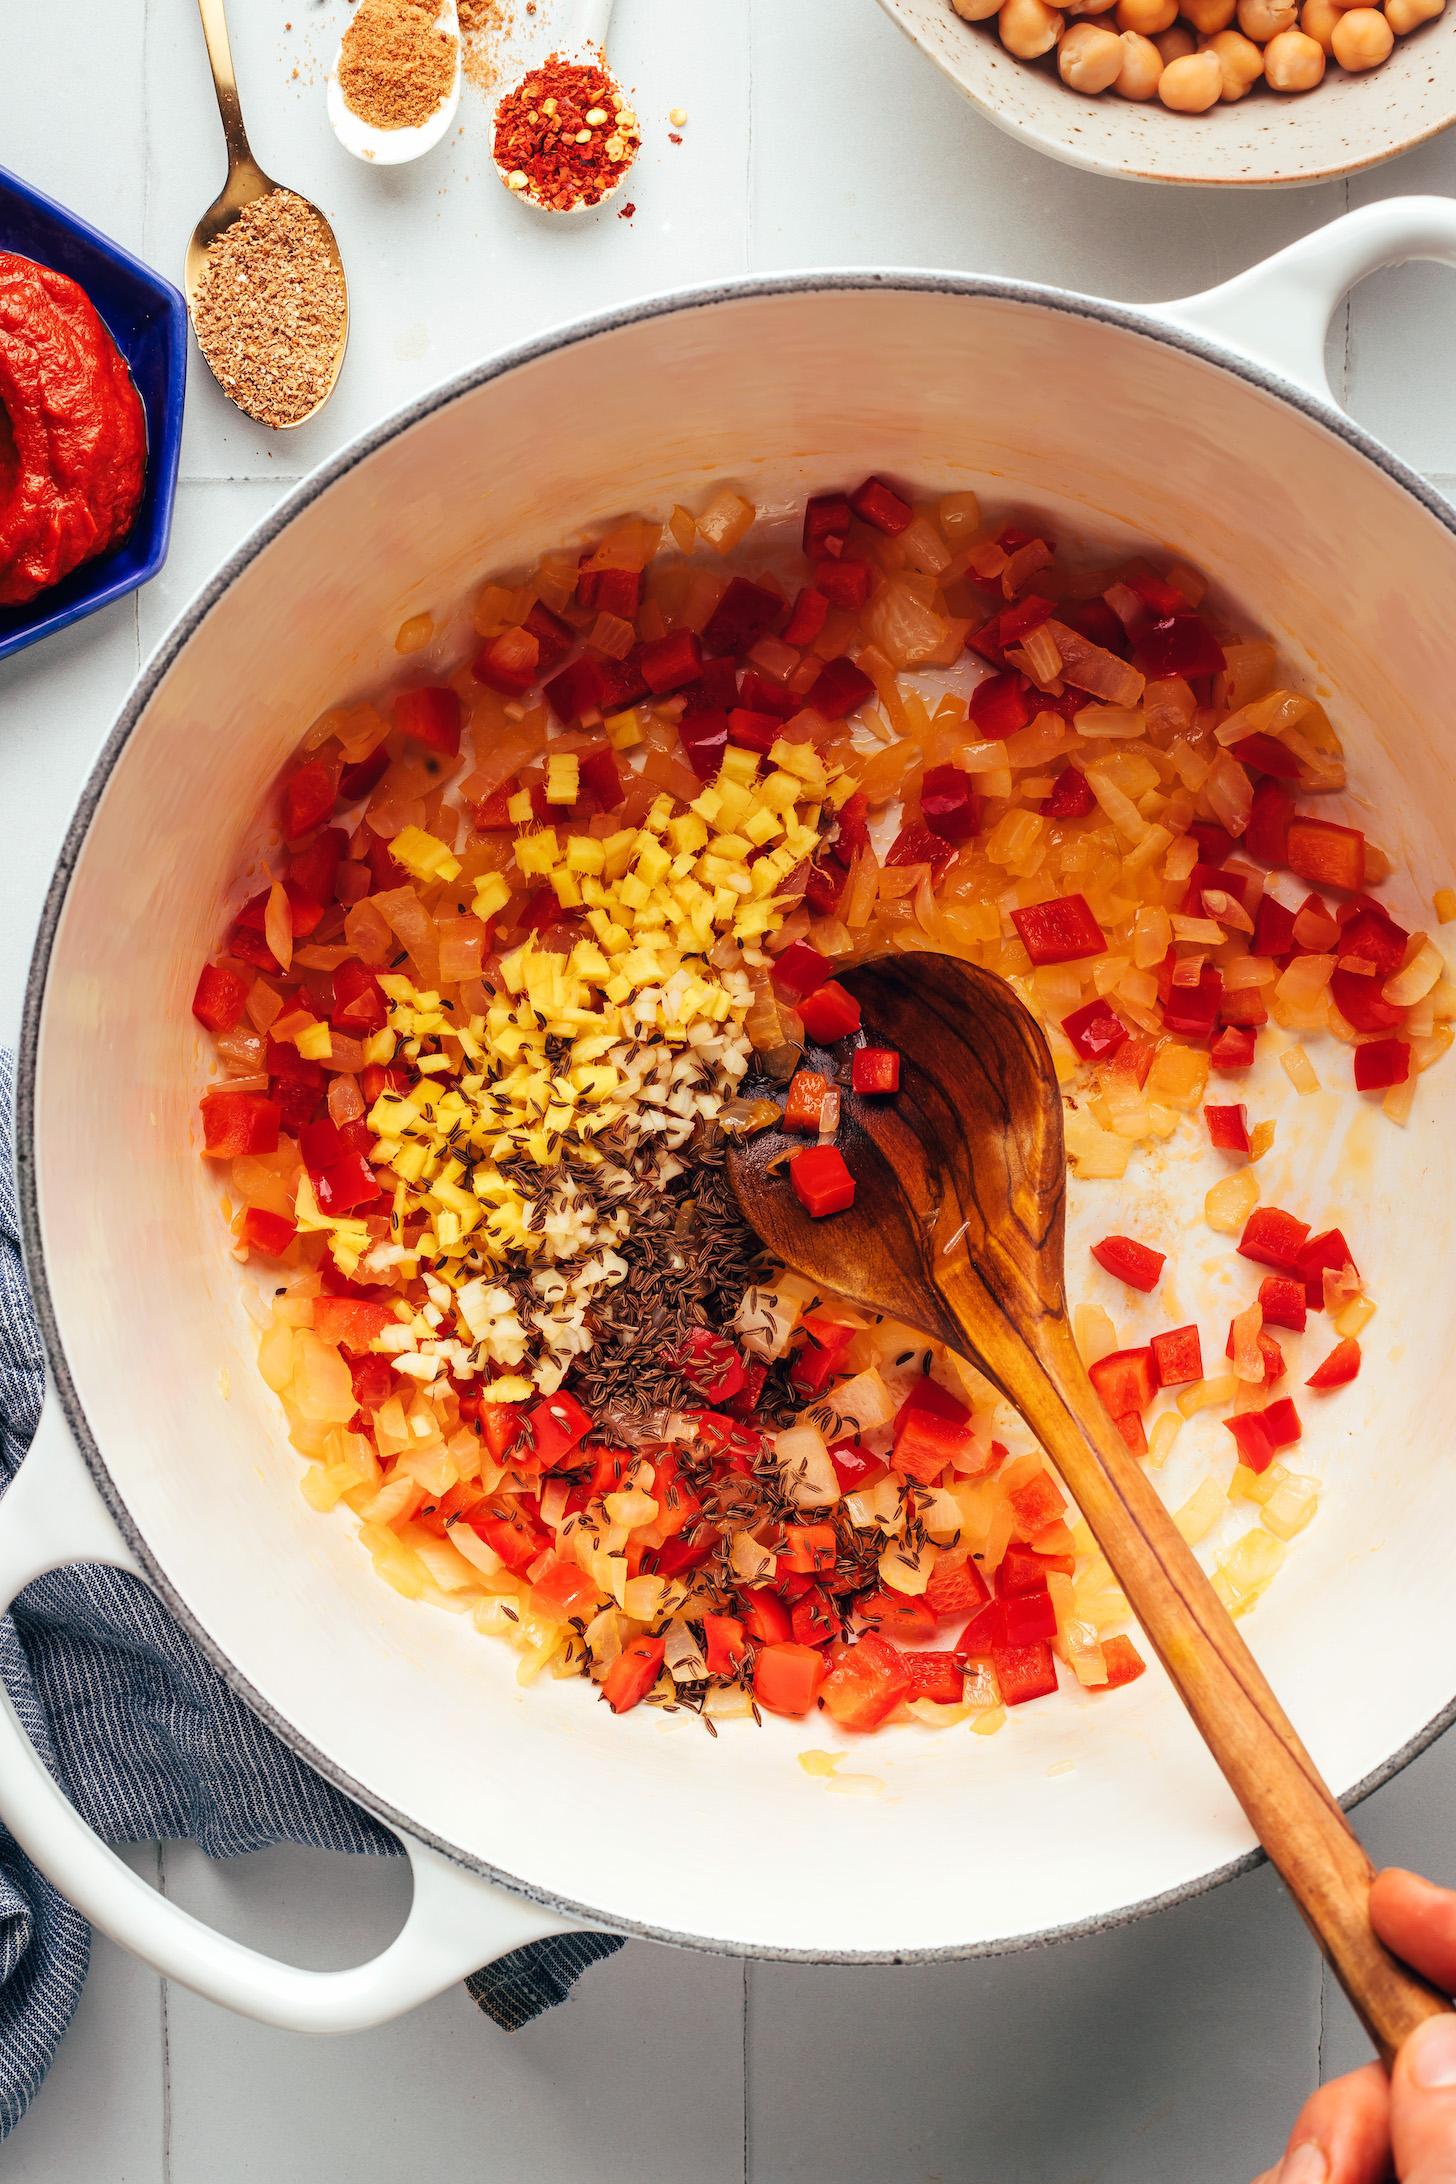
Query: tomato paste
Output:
(73,444)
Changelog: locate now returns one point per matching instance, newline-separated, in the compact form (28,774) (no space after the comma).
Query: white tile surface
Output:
(1177,2048)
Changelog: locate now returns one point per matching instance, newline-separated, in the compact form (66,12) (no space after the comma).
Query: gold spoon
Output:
(956,1228)
(246,183)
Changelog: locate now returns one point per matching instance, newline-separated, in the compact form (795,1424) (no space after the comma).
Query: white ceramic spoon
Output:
(393,147)
(593,21)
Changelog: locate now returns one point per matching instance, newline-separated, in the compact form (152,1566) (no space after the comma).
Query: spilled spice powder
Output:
(269,313)
(565,136)
(485,27)
(395,65)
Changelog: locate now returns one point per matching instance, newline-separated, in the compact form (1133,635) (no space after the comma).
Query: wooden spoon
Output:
(957,1228)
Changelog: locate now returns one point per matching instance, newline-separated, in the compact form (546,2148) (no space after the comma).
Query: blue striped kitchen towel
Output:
(148,1744)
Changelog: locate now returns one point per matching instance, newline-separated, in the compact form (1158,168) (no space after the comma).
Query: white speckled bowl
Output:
(1350,122)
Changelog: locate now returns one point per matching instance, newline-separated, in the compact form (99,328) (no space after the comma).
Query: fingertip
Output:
(1417,1919)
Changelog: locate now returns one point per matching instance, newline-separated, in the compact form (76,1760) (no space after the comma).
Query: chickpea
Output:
(1091,7)
(1317,19)
(1175,44)
(1089,58)
(1142,65)
(1028,28)
(976,11)
(1362,38)
(1147,17)
(1241,63)
(1405,15)
(1209,16)
(1191,85)
(1262,20)
(1293,61)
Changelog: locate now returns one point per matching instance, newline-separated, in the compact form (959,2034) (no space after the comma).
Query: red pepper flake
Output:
(566,135)
(627,211)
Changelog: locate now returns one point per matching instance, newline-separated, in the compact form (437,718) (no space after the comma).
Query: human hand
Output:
(1367,2128)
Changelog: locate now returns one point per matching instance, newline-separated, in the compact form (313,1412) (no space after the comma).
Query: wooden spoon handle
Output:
(1288,1804)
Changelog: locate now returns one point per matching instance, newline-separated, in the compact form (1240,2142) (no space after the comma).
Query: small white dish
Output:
(396,147)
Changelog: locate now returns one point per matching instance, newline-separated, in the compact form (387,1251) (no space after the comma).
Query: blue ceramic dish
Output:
(147,319)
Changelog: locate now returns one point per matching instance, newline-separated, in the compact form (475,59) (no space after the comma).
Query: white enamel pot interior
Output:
(1348,123)
(1080,1811)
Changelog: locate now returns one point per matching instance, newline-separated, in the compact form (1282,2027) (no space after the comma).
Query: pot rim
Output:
(1129,318)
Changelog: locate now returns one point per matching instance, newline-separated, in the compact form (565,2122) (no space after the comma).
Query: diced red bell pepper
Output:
(633,1673)
(881,506)
(1177,1357)
(1192,1011)
(1339,1368)
(854,825)
(1000,705)
(1283,1302)
(898,1614)
(725,1644)
(844,583)
(821,1354)
(1325,854)
(680,1556)
(1061,930)
(1133,1431)
(1071,796)
(554,636)
(1028,1617)
(355,782)
(840,688)
(303,916)
(554,1427)
(1271,1357)
(1233,1050)
(931,1429)
(829,1013)
(1024,1672)
(562,1591)
(1227,1130)
(508,662)
(439,1516)
(493,815)
(337,1168)
(762,694)
(985,1631)
(1215,844)
(765,1616)
(308,796)
(220,998)
(1024,1569)
(915,844)
(814,1620)
(374,1381)
(809,614)
(936,1676)
(712,1364)
(1274,1238)
(576,690)
(235,1123)
(1327,1250)
(1273,929)
(269,1233)
(357,1005)
(1380,1063)
(855,1466)
(1267,755)
(866,1683)
(1360,1001)
(808,1550)
(1205,877)
(501,1425)
(1371,935)
(354,1323)
(671,662)
(805,1100)
(827,516)
(1259,1435)
(753,731)
(430,716)
(1126,1381)
(1095,1030)
(874,1071)
(1179,644)
(600,781)
(610,591)
(746,612)
(800,970)
(1036,1504)
(956,1587)
(1019,620)
(1267,834)
(510,1529)
(949,805)
(1129,1261)
(1282,1420)
(313,868)
(704,738)
(1123,1662)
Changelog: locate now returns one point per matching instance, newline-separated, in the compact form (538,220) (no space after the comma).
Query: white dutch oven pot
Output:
(161,1451)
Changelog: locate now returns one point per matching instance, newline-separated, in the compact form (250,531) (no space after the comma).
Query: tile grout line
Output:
(747,1972)
(166,2177)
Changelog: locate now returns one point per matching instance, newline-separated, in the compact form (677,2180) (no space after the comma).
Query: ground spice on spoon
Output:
(395,64)
(269,311)
(565,136)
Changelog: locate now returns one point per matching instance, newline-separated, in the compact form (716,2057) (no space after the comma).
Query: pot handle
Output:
(52,1514)
(1279,312)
